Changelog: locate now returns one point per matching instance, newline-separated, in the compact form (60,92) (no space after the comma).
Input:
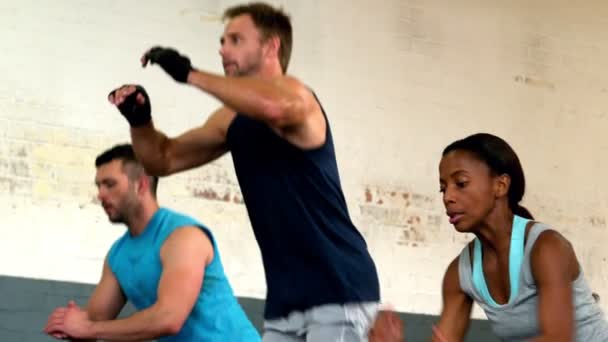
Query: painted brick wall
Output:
(400,79)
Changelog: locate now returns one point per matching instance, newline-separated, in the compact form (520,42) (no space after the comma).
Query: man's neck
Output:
(269,71)
(140,219)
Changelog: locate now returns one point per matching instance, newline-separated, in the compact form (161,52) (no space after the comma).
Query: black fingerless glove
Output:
(137,114)
(174,64)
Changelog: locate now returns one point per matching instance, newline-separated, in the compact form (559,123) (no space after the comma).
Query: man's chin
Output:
(235,72)
(116,219)
(231,72)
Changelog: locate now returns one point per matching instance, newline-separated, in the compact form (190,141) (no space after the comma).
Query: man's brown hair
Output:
(270,21)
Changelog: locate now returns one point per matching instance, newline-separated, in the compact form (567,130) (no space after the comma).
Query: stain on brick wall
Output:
(414,218)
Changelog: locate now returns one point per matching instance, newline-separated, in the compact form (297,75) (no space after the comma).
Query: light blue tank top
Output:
(135,261)
(516,256)
(517,320)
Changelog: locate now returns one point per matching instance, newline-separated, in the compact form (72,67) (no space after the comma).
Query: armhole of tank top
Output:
(229,128)
(327,129)
(208,234)
(211,238)
(465,270)
(544,227)
(111,256)
(532,236)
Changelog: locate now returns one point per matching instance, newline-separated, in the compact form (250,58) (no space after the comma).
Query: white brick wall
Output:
(399,80)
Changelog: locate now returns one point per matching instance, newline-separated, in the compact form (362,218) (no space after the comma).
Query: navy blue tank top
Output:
(312,253)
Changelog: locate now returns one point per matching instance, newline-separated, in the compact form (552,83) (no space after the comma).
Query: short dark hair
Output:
(501,159)
(270,21)
(131,165)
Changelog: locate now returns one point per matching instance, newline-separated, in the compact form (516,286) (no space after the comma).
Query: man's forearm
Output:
(95,340)
(144,325)
(150,148)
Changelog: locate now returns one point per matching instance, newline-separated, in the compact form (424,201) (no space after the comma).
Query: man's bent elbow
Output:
(171,326)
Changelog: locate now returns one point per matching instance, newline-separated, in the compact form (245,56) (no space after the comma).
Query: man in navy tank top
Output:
(322,284)
(166,264)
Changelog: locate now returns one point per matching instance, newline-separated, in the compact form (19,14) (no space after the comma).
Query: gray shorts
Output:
(325,323)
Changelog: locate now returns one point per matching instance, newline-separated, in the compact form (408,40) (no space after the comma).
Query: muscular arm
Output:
(281,102)
(104,304)
(184,256)
(163,156)
(554,267)
(107,299)
(456,313)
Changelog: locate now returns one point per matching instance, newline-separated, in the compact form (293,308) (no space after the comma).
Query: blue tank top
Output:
(312,253)
(135,261)
(516,257)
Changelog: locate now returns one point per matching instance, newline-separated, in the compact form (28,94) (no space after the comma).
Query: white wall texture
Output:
(400,79)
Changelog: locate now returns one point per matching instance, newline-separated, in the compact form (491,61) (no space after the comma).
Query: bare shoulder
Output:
(293,82)
(299,88)
(551,241)
(187,235)
(451,279)
(552,253)
(189,242)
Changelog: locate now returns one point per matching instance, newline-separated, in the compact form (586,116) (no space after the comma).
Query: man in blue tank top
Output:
(166,264)
(322,283)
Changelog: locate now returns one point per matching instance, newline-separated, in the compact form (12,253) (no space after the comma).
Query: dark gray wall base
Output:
(26,303)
